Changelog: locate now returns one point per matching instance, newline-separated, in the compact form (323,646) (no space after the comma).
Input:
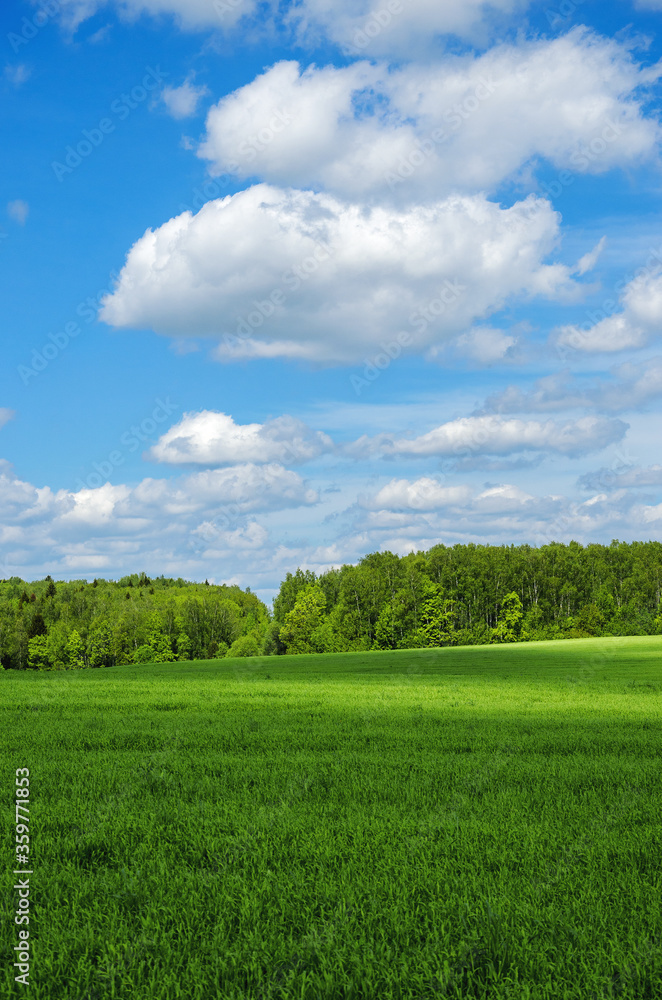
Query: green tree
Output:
(385,636)
(158,640)
(591,620)
(509,623)
(437,622)
(302,621)
(100,645)
(75,650)
(245,645)
(38,658)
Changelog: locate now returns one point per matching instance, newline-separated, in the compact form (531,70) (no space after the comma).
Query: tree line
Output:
(49,625)
(473,594)
(458,595)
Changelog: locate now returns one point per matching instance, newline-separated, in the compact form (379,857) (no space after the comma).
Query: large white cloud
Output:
(465,123)
(211,438)
(492,435)
(273,273)
(637,323)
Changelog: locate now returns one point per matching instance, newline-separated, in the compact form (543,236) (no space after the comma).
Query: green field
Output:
(457,822)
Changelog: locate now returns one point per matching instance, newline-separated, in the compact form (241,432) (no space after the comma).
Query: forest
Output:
(460,595)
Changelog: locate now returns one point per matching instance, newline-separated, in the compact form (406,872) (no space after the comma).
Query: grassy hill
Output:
(457,822)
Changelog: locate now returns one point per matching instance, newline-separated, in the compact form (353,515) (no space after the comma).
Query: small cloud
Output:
(182,102)
(5,415)
(484,345)
(18,211)
(17,74)
(101,35)
(590,259)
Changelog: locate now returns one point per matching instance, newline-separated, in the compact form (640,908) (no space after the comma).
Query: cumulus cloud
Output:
(505,513)
(273,273)
(492,435)
(422,494)
(182,101)
(211,438)
(621,476)
(178,525)
(482,345)
(638,323)
(631,387)
(420,131)
(398,26)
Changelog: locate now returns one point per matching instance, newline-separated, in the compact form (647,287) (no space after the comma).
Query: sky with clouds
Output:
(285,283)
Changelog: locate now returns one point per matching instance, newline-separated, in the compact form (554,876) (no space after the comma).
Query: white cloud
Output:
(388,26)
(648,4)
(295,274)
(397,26)
(189,14)
(491,435)
(590,259)
(182,526)
(5,415)
(422,131)
(18,211)
(639,322)
(17,74)
(506,514)
(182,102)
(620,477)
(633,386)
(423,494)
(211,438)
(100,36)
(482,345)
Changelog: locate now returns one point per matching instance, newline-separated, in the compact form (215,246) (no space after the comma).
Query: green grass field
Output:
(459,822)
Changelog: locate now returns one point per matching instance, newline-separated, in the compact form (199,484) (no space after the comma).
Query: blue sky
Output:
(287,283)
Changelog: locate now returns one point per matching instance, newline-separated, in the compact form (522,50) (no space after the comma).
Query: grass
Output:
(471,822)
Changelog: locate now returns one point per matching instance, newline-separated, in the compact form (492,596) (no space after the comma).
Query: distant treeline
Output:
(473,594)
(459,595)
(50,625)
